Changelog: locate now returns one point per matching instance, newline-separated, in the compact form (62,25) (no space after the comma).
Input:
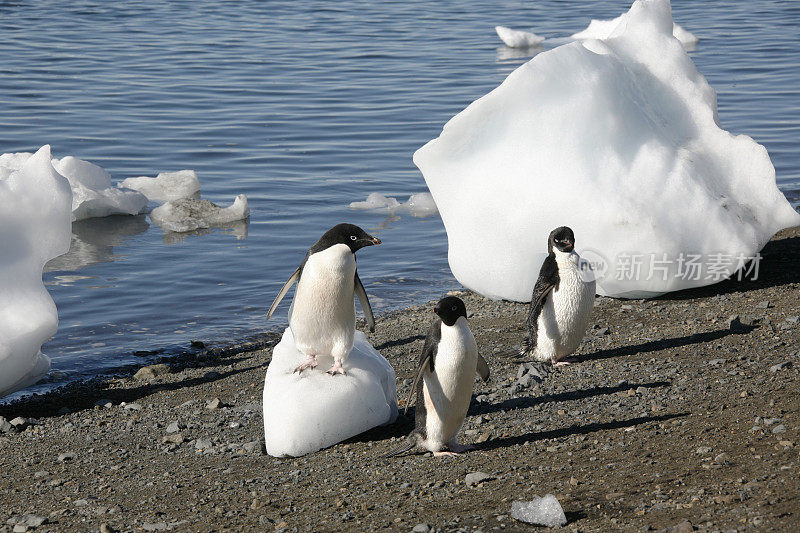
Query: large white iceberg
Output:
(166,187)
(618,139)
(190,214)
(306,412)
(92,192)
(603,29)
(34,228)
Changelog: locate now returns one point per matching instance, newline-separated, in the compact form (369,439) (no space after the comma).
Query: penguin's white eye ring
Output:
(454,308)
(353,237)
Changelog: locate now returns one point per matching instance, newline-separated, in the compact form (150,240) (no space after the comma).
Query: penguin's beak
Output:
(373,240)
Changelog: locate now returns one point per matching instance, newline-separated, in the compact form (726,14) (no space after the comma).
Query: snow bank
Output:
(603,29)
(189,214)
(418,205)
(92,193)
(166,187)
(618,139)
(516,38)
(306,412)
(34,227)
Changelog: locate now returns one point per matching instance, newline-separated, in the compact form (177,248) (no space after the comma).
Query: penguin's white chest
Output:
(566,314)
(323,312)
(448,389)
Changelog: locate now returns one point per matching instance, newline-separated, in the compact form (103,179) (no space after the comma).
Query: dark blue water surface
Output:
(304,107)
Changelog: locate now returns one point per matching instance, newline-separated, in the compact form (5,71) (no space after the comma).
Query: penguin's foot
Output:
(336,369)
(562,363)
(310,362)
(446,454)
(460,448)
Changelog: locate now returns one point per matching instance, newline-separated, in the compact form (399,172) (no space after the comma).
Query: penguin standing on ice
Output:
(322,316)
(447,367)
(562,302)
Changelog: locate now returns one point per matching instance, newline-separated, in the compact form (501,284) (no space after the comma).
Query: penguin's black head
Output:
(349,234)
(561,239)
(449,309)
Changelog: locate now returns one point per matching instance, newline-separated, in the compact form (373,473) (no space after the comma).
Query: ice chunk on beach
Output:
(516,38)
(92,193)
(189,214)
(618,139)
(418,205)
(35,217)
(603,29)
(540,511)
(165,187)
(306,412)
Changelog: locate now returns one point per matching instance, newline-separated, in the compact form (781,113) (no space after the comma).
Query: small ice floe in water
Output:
(518,39)
(620,140)
(603,29)
(540,511)
(35,215)
(418,205)
(306,412)
(167,186)
(92,192)
(189,214)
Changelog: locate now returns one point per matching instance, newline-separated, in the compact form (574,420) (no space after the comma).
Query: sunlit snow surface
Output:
(34,228)
(603,29)
(306,412)
(618,139)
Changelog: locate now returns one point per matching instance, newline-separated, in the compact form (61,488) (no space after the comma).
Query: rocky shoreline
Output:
(680,413)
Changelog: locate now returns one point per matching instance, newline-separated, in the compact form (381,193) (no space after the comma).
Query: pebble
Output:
(19,423)
(780,428)
(173,427)
(474,478)
(421,528)
(172,438)
(150,372)
(131,406)
(773,368)
(66,456)
(105,528)
(5,427)
(104,402)
(213,403)
(158,526)
(203,444)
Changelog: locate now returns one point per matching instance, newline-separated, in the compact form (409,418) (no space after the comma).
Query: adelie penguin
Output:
(447,367)
(562,302)
(322,316)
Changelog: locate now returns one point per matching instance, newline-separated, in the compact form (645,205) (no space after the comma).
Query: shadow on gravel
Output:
(574,430)
(477,408)
(662,344)
(399,342)
(780,265)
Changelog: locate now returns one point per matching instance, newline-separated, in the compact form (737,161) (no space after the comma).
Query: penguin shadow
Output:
(399,428)
(779,265)
(664,344)
(479,408)
(575,429)
(399,342)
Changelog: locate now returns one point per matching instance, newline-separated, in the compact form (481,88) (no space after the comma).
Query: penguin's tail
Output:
(407,445)
(527,348)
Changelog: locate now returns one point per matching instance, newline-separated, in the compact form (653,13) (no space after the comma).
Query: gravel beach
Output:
(679,413)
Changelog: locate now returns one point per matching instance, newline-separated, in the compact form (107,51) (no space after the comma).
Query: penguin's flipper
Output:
(427,357)
(547,281)
(286,286)
(364,301)
(483,368)
(407,445)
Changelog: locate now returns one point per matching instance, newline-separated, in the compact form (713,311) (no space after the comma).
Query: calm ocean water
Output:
(304,107)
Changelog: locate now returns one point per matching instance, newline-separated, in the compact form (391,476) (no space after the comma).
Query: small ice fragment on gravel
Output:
(541,511)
